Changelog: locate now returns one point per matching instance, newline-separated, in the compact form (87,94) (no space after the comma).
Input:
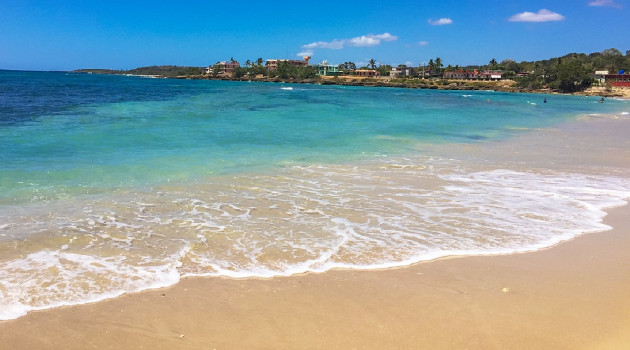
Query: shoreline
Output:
(426,83)
(571,295)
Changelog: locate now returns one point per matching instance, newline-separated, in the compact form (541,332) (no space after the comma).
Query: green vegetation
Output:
(569,73)
(164,71)
(287,71)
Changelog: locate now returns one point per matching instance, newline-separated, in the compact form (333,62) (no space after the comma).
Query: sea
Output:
(113,184)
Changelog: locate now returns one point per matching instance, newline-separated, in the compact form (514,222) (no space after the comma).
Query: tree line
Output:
(569,73)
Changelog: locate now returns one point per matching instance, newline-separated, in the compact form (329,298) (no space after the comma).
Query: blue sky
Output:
(66,35)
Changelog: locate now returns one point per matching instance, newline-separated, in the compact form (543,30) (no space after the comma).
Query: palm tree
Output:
(248,63)
(493,63)
(259,62)
(372,63)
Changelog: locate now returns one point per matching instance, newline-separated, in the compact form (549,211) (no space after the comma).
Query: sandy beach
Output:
(570,296)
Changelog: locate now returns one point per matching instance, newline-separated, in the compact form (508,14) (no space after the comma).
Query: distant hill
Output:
(165,71)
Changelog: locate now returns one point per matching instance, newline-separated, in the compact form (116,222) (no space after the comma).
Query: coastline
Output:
(431,84)
(572,295)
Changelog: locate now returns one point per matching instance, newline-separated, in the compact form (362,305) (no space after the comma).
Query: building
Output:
(491,75)
(224,67)
(324,69)
(461,74)
(402,70)
(618,79)
(274,63)
(600,76)
(473,75)
(366,73)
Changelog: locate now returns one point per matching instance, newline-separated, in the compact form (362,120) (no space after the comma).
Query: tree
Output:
(248,63)
(216,69)
(571,76)
(438,65)
(259,62)
(239,72)
(384,69)
(511,65)
(493,63)
(372,63)
(347,66)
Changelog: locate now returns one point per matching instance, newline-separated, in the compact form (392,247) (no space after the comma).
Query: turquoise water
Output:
(115,184)
(65,134)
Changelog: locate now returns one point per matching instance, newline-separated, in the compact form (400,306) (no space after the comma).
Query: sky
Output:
(70,34)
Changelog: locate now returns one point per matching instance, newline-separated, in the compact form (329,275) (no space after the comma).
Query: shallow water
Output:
(116,184)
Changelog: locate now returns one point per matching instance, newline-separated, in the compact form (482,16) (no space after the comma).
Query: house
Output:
(273,64)
(618,79)
(461,74)
(491,75)
(600,76)
(604,77)
(401,70)
(366,73)
(224,67)
(473,75)
(325,69)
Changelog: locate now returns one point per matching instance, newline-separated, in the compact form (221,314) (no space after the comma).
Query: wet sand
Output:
(571,296)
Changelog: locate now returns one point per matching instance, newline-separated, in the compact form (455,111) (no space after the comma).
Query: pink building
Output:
(366,73)
(274,63)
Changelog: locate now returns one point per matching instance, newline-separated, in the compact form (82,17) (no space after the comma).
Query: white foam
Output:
(392,212)
(49,279)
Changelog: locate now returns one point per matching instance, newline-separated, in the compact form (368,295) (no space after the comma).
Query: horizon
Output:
(40,36)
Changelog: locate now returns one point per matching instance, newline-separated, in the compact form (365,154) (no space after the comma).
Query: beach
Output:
(572,295)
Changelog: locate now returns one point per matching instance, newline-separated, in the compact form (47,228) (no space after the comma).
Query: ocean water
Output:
(116,184)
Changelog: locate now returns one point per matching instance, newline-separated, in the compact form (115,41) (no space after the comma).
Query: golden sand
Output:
(572,296)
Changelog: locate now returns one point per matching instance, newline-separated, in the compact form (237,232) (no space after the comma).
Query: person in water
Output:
(602,100)
(545,100)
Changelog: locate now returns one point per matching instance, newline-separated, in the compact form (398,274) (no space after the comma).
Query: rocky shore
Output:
(416,83)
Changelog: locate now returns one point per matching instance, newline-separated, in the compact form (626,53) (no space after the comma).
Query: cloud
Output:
(423,43)
(335,44)
(542,16)
(305,53)
(359,41)
(608,3)
(440,22)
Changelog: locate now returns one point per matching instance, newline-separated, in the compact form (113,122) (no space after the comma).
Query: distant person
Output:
(545,100)
(602,100)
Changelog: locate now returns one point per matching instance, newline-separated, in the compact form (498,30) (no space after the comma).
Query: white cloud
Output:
(609,3)
(440,22)
(423,43)
(335,44)
(305,53)
(359,41)
(542,16)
